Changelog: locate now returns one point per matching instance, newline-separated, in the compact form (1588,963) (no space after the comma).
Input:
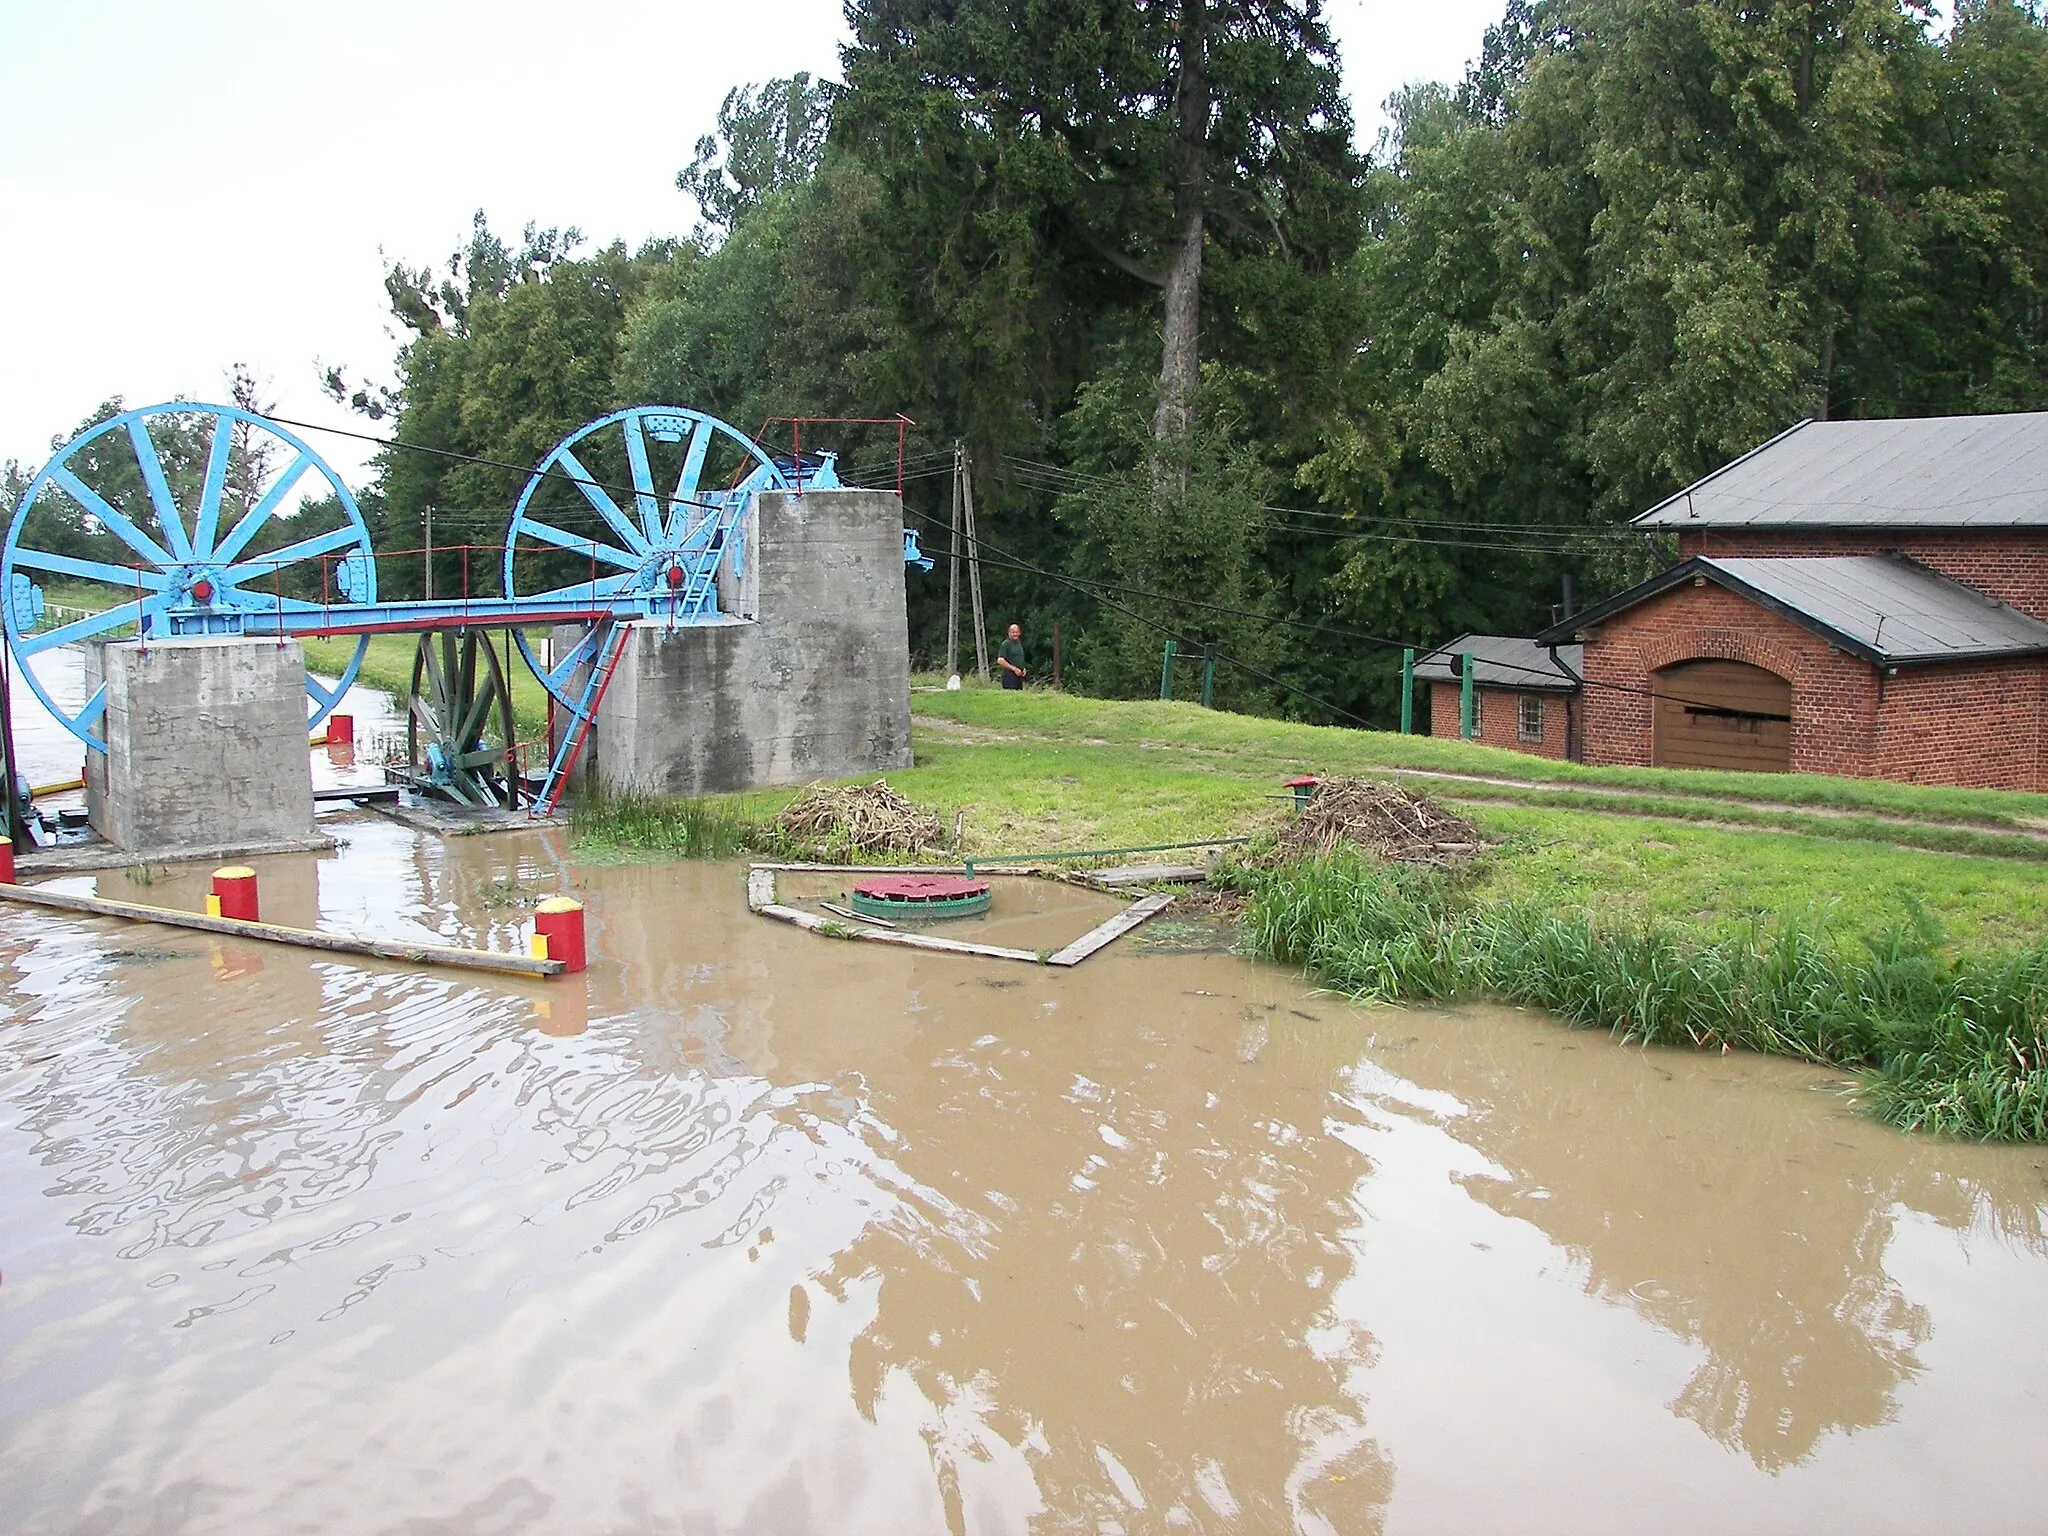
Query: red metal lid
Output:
(920,887)
(1306,781)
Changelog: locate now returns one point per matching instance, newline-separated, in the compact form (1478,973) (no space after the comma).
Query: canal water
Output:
(757,1231)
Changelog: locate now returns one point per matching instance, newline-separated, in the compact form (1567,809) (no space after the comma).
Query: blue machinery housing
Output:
(188,520)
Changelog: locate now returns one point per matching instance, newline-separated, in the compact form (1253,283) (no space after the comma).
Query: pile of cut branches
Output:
(856,820)
(1379,819)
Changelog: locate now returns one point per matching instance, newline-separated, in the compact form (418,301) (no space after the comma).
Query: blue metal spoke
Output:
(168,517)
(604,586)
(95,706)
(305,549)
(596,496)
(557,676)
(648,503)
(252,521)
(328,697)
(92,624)
(125,577)
(116,523)
(610,554)
(684,500)
(206,526)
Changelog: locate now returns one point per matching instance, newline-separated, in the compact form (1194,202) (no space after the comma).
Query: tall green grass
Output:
(632,822)
(1952,1043)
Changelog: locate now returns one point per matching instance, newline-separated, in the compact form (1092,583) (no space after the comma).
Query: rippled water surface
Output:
(762,1232)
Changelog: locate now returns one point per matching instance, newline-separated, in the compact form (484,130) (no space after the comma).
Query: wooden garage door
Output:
(1722,714)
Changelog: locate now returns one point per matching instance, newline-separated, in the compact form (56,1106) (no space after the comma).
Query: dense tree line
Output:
(1226,377)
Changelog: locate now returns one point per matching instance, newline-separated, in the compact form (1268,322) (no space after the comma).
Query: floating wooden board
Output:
(817,924)
(761,899)
(1105,934)
(277,933)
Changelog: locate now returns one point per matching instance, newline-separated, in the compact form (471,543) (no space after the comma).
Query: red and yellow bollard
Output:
(558,932)
(233,894)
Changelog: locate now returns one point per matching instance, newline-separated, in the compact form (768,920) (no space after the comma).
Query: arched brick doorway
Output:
(1721,714)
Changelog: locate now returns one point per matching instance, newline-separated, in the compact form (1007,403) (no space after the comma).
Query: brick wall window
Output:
(1529,717)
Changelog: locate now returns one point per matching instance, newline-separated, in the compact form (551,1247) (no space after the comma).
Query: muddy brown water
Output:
(762,1232)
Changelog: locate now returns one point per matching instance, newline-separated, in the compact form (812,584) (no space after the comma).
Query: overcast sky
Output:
(187,186)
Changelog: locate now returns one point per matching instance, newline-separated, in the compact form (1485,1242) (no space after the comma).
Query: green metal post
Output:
(1408,690)
(1465,699)
(1208,676)
(1166,672)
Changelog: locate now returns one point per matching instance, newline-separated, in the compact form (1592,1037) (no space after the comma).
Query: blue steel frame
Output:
(189,577)
(663,559)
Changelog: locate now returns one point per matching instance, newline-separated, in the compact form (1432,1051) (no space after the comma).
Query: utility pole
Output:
(966,471)
(427,558)
(953,575)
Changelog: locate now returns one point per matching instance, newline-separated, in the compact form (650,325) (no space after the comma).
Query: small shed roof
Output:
(1505,661)
(1926,472)
(1885,608)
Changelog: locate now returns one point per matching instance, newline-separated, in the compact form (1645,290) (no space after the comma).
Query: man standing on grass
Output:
(1010,659)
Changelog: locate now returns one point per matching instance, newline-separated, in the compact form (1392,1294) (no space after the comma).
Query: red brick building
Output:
(1524,697)
(1866,598)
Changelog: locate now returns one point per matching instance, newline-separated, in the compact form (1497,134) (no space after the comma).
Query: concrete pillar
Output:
(815,685)
(206,748)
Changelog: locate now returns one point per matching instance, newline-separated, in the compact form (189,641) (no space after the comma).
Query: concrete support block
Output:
(206,748)
(815,686)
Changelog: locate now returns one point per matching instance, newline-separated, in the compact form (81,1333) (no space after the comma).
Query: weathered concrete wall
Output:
(816,686)
(206,748)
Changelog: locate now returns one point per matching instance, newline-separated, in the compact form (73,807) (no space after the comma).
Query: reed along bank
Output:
(1948,1041)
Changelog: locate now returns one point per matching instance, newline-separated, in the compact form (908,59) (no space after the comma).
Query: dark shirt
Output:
(1012,651)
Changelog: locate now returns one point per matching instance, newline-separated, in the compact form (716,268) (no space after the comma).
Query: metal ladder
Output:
(705,577)
(609,650)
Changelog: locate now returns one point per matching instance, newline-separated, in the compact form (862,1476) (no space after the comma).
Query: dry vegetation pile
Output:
(858,819)
(1380,820)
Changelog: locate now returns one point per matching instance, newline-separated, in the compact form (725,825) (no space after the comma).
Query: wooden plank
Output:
(859,917)
(1151,874)
(277,933)
(1104,934)
(358,792)
(817,924)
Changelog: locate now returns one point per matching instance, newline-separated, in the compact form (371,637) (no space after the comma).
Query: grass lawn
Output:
(1277,746)
(1713,879)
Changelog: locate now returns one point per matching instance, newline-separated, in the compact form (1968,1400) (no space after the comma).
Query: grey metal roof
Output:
(1885,608)
(1928,472)
(1505,661)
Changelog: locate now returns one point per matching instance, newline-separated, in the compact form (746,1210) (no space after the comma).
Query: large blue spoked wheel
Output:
(176,520)
(645,502)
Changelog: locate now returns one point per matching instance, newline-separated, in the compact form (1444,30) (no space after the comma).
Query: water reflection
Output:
(1130,1281)
(1711,1199)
